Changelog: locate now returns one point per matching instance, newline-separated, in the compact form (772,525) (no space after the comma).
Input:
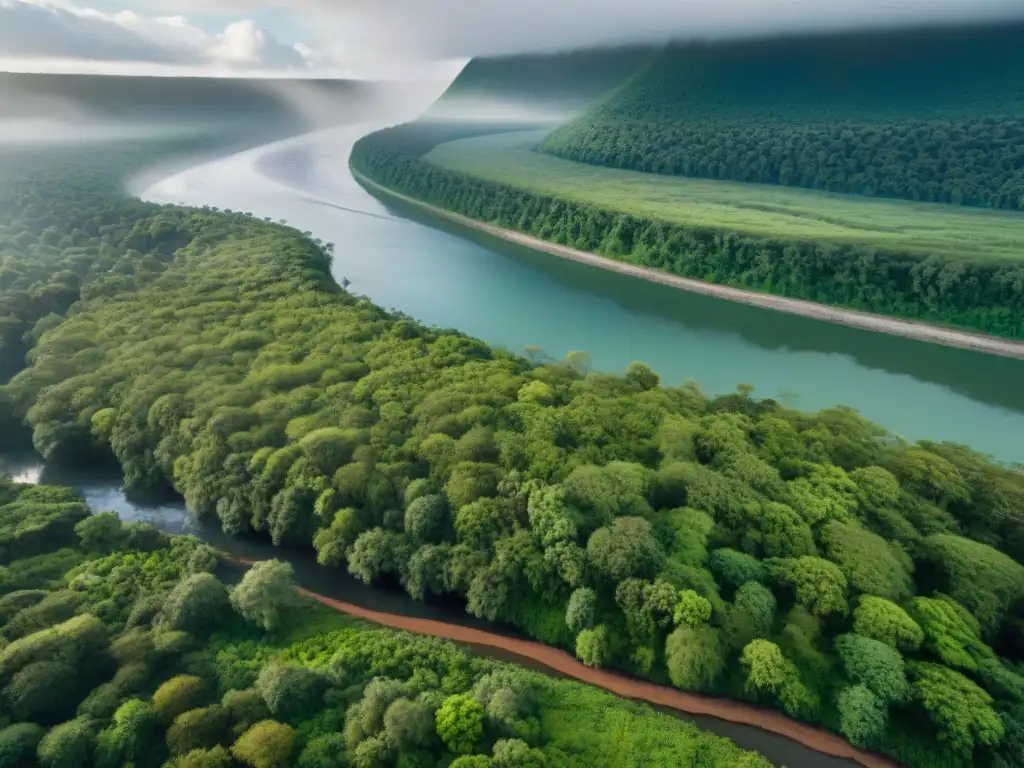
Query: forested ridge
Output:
(120,646)
(809,562)
(932,115)
(564,80)
(65,221)
(984,295)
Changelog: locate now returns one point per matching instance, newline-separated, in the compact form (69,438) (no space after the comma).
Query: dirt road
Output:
(867,321)
(817,739)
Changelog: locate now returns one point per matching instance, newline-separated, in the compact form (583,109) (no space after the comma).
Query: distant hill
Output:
(538,87)
(934,115)
(105,98)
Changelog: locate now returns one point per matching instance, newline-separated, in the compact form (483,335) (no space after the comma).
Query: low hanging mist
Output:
(65,108)
(469,28)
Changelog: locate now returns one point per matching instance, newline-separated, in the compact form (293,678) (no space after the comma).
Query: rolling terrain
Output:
(935,115)
(888,225)
(808,562)
(539,88)
(897,140)
(813,563)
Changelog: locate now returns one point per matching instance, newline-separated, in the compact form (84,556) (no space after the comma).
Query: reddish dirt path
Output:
(817,739)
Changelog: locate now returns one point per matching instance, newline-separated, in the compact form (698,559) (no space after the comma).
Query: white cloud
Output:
(38,30)
(29,28)
(389,37)
(245,44)
(169,32)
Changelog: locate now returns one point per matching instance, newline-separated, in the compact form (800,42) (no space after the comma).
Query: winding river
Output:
(450,276)
(514,297)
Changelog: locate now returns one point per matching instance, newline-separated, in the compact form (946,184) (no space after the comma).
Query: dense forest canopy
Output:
(810,562)
(121,646)
(983,294)
(52,243)
(933,115)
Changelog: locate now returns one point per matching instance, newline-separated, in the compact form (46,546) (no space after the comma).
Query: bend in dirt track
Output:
(867,321)
(809,736)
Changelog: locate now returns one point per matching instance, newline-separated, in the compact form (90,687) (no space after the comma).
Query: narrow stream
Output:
(511,296)
(103,491)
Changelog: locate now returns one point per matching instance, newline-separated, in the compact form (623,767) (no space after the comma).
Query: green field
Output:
(751,208)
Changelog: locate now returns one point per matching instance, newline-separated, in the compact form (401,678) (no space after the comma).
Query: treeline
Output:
(934,116)
(809,562)
(121,646)
(980,295)
(560,81)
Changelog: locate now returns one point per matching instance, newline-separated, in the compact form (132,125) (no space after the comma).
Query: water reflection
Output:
(512,296)
(103,490)
(986,378)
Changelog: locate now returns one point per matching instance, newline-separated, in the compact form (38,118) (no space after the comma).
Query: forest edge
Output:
(814,738)
(867,321)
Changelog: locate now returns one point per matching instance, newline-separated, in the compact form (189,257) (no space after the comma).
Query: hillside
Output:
(889,257)
(554,86)
(932,115)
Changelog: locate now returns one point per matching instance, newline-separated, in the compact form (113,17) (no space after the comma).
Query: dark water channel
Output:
(103,490)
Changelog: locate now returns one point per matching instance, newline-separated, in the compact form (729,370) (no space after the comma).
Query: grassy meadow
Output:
(767,211)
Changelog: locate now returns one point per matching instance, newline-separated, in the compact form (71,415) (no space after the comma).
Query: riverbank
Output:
(867,321)
(338,588)
(559,661)
(449,276)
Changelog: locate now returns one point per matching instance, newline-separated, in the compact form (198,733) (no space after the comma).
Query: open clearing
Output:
(756,209)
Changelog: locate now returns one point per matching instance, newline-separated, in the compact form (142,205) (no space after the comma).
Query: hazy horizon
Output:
(408,39)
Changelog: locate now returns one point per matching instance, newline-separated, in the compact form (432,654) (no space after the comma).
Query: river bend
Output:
(513,297)
(454,277)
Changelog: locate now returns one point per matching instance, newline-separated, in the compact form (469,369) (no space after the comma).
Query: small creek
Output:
(103,490)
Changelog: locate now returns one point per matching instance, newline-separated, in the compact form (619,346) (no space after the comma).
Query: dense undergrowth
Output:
(809,562)
(66,219)
(984,295)
(928,115)
(121,646)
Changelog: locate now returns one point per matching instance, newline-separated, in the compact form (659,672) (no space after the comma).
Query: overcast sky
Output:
(390,37)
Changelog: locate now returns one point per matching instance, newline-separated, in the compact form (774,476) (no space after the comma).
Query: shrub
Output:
(18,744)
(197,604)
(268,744)
(266,593)
(180,694)
(68,745)
(291,691)
(460,723)
(202,728)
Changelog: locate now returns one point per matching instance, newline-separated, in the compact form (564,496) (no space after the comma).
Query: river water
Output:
(513,297)
(445,275)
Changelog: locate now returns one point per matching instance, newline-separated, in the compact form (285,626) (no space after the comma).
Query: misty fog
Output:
(465,28)
(60,109)
(496,110)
